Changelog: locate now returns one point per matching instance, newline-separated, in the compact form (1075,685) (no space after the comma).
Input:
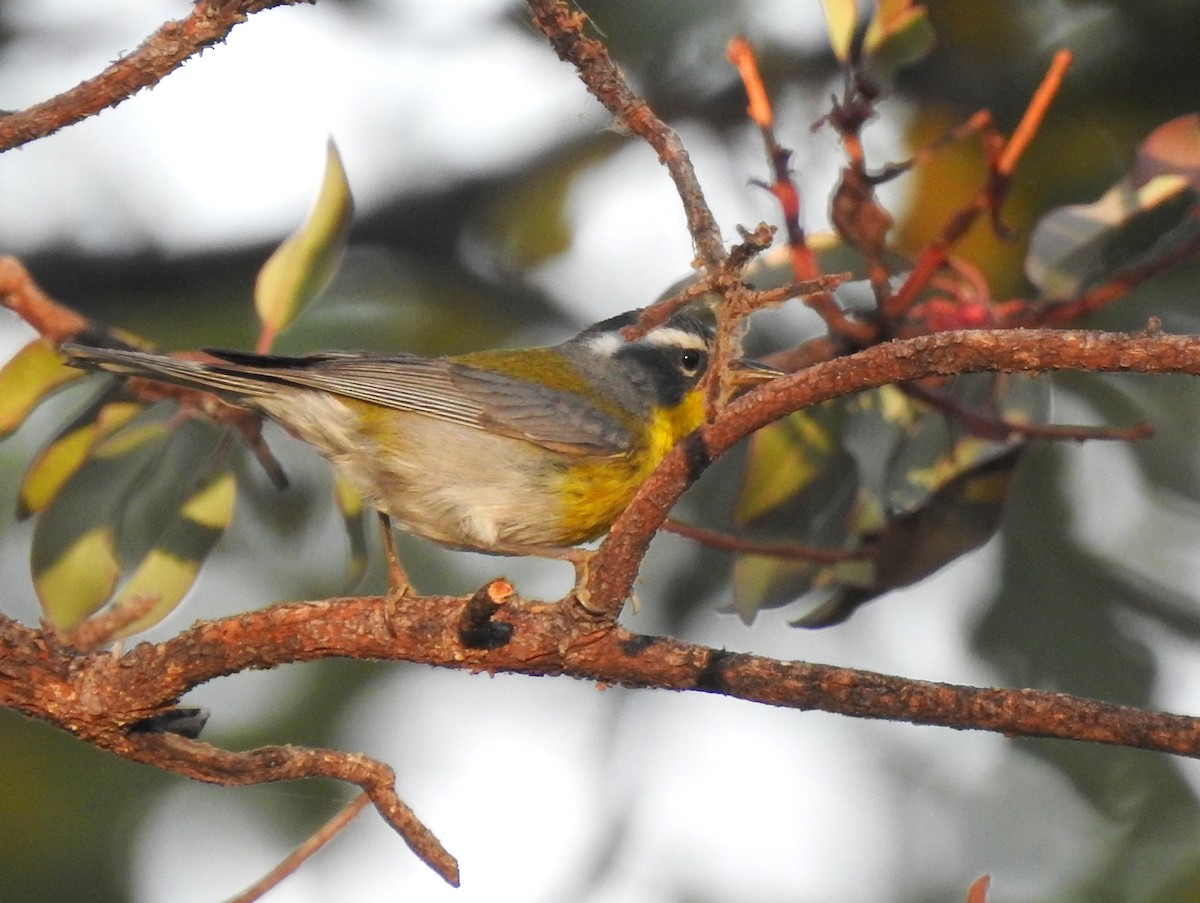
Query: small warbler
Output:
(512,452)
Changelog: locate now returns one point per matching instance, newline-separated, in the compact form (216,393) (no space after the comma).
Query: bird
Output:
(527,451)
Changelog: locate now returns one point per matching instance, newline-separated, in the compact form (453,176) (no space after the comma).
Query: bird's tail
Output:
(230,381)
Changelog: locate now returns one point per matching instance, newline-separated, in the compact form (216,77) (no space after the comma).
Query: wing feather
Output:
(457,393)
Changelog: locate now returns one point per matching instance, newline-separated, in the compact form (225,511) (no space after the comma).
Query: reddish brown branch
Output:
(209,22)
(789,551)
(269,764)
(304,851)
(940,354)
(100,629)
(563,26)
(20,294)
(803,262)
(546,640)
(988,426)
(1002,163)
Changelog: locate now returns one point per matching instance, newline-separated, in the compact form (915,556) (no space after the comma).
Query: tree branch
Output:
(563,26)
(613,569)
(304,851)
(268,764)
(105,692)
(209,22)
(99,697)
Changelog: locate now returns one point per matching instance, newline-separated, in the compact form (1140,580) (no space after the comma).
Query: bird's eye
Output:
(690,360)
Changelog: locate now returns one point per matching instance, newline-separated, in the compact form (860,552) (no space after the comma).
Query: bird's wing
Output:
(482,399)
(550,417)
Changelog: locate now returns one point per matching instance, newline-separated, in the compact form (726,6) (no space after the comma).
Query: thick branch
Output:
(546,640)
(209,22)
(616,563)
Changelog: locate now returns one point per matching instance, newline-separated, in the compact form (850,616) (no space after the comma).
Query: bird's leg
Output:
(581,560)
(398,582)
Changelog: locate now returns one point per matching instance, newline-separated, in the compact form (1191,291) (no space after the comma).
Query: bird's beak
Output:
(743,374)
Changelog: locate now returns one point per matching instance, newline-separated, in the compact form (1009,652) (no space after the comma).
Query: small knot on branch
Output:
(476,629)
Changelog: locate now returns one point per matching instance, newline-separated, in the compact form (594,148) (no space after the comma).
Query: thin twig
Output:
(209,22)
(563,26)
(100,629)
(1023,134)
(784,550)
(994,427)
(988,198)
(803,262)
(304,851)
(268,764)
(1116,287)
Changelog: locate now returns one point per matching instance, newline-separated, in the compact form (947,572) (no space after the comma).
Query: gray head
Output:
(656,370)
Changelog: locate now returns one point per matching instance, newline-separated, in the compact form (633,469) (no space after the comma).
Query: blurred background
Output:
(496,205)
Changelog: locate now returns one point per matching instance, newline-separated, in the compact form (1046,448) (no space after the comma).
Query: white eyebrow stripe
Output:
(605,344)
(666,336)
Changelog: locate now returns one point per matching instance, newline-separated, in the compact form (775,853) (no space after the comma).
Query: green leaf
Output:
(132,504)
(841,18)
(1143,217)
(27,379)
(782,461)
(67,452)
(78,527)
(876,475)
(1075,247)
(305,263)
(899,34)
(929,448)
(169,569)
(350,505)
(80,580)
(959,517)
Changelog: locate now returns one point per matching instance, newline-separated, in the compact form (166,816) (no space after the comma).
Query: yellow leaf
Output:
(53,467)
(783,460)
(32,374)
(350,504)
(303,265)
(212,506)
(349,500)
(761,581)
(168,570)
(165,577)
(79,581)
(62,458)
(131,440)
(841,18)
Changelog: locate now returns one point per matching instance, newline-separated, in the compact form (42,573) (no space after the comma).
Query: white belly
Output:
(453,484)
